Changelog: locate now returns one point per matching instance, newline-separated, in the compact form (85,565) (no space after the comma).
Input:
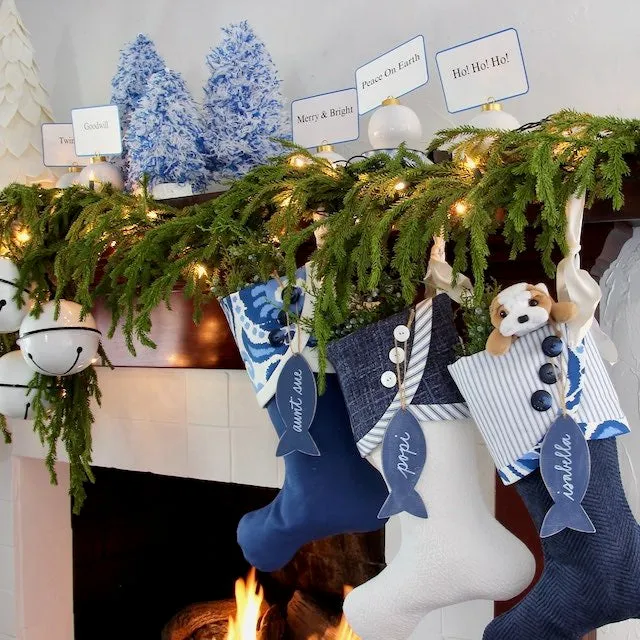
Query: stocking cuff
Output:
(368,375)
(262,334)
(499,392)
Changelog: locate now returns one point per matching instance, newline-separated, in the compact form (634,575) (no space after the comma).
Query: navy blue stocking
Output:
(589,580)
(338,492)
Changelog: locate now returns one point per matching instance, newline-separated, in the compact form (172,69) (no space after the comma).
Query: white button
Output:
(388,379)
(401,333)
(396,355)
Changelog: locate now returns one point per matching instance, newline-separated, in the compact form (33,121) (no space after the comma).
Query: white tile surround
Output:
(203,424)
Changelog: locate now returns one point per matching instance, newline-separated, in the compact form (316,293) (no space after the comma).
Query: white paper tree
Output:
(24,104)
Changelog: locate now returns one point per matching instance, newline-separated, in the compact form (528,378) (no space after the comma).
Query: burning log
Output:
(306,618)
(210,616)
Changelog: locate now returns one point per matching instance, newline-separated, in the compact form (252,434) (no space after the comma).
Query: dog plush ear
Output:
(563,311)
(543,287)
(497,344)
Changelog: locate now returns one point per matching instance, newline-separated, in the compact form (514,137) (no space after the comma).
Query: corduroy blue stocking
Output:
(589,580)
(337,492)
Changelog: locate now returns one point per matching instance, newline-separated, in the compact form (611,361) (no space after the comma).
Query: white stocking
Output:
(460,553)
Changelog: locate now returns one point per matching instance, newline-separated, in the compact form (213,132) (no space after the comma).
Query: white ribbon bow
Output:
(576,285)
(440,274)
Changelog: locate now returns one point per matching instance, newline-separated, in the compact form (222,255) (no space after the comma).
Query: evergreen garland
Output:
(379,217)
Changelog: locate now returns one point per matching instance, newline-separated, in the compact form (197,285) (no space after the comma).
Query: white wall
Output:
(580,54)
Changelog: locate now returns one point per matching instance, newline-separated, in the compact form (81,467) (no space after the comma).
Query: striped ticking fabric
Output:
(498,391)
(422,329)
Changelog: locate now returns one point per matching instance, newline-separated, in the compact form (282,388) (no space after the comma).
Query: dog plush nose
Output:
(523,319)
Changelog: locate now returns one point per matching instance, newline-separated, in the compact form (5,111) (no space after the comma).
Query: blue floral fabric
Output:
(262,327)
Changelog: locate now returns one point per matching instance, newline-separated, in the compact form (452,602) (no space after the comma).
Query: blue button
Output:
(547,373)
(552,346)
(276,337)
(282,318)
(541,400)
(295,294)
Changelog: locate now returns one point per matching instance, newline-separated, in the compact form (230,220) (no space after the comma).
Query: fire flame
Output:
(249,597)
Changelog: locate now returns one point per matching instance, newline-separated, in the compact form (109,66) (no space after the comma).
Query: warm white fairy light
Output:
(200,270)
(470,163)
(460,208)
(299,161)
(400,185)
(22,235)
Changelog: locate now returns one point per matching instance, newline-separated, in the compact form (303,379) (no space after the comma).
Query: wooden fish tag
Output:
(296,399)
(565,465)
(404,454)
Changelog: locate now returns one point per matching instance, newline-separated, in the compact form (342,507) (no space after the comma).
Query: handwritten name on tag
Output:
(296,399)
(58,146)
(404,454)
(97,131)
(565,465)
(394,73)
(325,119)
(488,67)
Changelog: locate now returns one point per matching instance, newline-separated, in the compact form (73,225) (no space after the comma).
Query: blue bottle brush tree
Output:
(242,105)
(165,135)
(138,61)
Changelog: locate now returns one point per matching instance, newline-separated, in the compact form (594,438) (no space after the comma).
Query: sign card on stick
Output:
(327,118)
(58,146)
(394,73)
(97,131)
(491,67)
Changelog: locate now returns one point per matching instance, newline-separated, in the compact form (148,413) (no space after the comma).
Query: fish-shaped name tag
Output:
(404,454)
(565,464)
(296,399)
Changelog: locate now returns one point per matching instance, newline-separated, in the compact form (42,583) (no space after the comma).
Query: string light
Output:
(113,244)
(400,185)
(470,163)
(200,270)
(152,215)
(22,235)
(460,208)
(299,161)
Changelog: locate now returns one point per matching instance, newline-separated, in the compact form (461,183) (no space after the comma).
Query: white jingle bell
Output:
(59,347)
(70,178)
(99,173)
(16,399)
(392,124)
(10,314)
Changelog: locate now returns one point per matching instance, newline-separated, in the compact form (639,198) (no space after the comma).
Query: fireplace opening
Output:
(145,546)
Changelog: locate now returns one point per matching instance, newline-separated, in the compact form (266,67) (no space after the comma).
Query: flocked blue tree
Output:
(138,61)
(243,106)
(165,135)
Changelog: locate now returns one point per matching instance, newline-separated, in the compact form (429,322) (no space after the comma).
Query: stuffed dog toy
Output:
(521,309)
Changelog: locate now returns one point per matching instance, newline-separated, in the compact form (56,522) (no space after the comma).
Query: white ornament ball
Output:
(10,315)
(392,124)
(59,347)
(327,152)
(99,173)
(68,179)
(16,399)
(493,117)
